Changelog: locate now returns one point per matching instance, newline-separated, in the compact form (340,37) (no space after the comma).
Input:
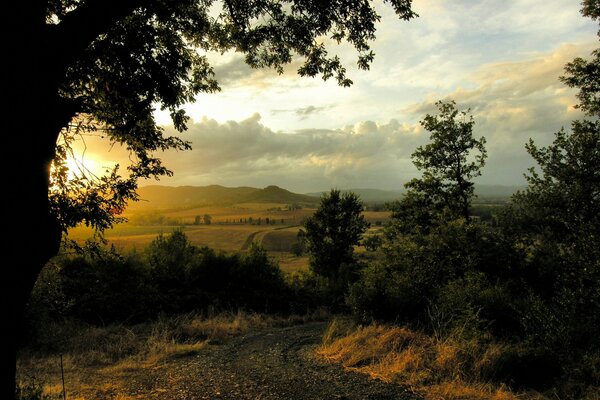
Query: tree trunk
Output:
(33,119)
(34,237)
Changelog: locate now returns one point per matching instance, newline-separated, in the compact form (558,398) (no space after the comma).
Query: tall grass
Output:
(448,368)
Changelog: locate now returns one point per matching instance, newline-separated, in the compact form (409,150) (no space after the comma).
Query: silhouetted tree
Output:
(111,63)
(333,231)
(448,165)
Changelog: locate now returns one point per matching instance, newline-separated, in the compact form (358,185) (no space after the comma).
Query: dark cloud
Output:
(304,112)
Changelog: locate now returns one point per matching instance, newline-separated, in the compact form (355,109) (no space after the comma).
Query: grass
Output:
(104,362)
(437,368)
(290,263)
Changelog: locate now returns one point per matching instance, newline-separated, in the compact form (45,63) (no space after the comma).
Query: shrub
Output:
(525,367)
(105,287)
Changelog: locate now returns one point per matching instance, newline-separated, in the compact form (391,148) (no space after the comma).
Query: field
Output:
(232,229)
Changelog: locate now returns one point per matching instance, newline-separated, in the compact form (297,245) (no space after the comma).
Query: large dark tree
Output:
(111,63)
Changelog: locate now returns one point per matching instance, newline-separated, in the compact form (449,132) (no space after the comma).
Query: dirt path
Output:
(274,364)
(249,240)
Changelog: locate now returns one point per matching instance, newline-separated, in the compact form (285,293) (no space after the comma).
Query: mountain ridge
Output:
(182,197)
(188,196)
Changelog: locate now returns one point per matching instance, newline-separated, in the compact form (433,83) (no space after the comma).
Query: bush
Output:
(95,287)
(450,269)
(171,277)
(526,367)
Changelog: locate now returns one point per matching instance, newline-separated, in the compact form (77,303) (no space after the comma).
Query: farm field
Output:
(232,229)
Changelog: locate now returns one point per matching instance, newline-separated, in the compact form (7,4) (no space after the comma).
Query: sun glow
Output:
(86,167)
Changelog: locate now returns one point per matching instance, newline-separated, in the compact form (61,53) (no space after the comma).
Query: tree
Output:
(333,231)
(207,219)
(448,166)
(77,67)
(556,219)
(562,199)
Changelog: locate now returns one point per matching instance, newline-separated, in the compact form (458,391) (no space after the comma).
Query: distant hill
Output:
(370,195)
(496,191)
(179,197)
(484,192)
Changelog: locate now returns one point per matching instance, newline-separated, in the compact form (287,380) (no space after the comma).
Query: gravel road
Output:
(274,364)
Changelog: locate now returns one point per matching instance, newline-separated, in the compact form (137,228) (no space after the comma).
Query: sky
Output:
(501,59)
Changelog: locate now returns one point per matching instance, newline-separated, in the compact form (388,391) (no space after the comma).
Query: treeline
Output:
(171,276)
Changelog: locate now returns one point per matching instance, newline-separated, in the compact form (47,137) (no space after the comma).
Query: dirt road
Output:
(274,364)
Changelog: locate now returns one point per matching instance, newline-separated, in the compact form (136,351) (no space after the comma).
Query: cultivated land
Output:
(233,227)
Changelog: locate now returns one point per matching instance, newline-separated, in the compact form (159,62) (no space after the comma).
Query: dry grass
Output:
(290,263)
(104,361)
(448,369)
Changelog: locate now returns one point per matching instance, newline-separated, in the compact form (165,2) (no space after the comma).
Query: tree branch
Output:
(79,28)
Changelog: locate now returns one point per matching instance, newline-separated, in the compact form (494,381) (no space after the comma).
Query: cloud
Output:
(247,151)
(511,102)
(304,112)
(513,99)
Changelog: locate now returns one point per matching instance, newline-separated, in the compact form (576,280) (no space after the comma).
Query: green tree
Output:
(75,67)
(556,219)
(333,231)
(207,219)
(562,201)
(373,243)
(448,163)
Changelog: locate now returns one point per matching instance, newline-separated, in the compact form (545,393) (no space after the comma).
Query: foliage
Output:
(332,232)
(103,287)
(110,75)
(449,271)
(373,242)
(299,246)
(557,221)
(172,276)
(448,167)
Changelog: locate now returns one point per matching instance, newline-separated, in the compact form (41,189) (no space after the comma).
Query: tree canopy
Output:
(448,163)
(117,62)
(333,231)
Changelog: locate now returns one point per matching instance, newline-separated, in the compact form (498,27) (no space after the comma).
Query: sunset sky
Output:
(502,59)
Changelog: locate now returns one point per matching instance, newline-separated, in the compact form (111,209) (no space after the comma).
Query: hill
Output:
(485,193)
(371,195)
(181,197)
